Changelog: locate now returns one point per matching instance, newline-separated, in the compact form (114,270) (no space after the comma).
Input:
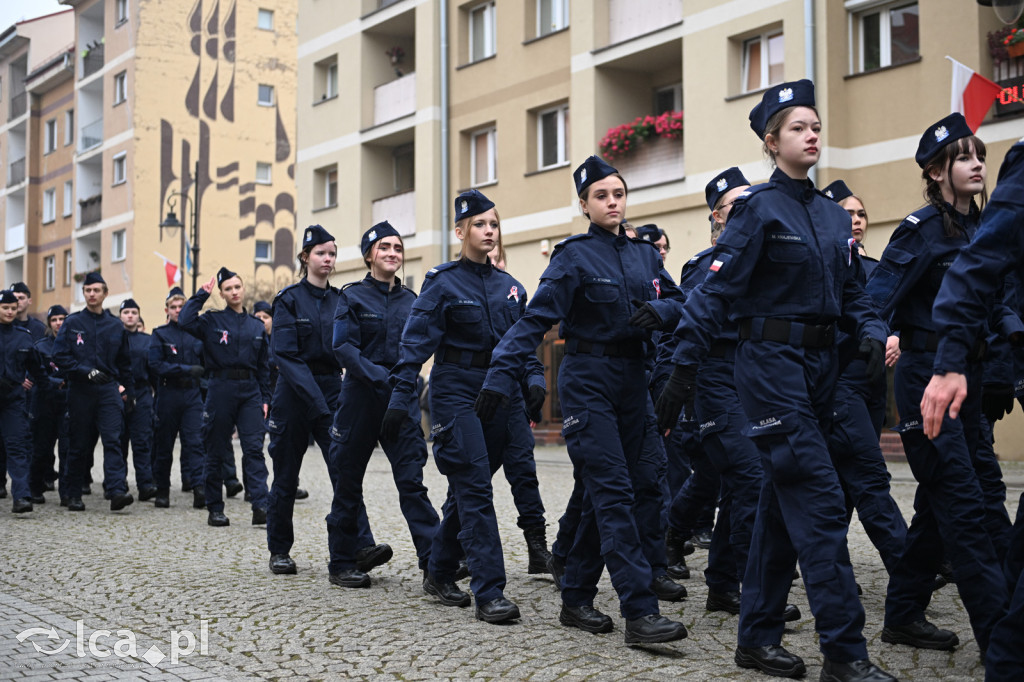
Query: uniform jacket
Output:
(368,327)
(89,341)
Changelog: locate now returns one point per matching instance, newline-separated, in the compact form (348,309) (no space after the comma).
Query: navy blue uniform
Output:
(786,272)
(19,358)
(179,405)
(589,285)
(235,353)
(463,310)
(368,324)
(49,406)
(95,341)
(33,326)
(139,424)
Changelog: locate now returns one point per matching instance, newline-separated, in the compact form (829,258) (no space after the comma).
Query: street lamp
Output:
(171,222)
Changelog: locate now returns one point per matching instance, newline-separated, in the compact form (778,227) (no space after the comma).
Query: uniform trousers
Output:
(95,412)
(179,414)
(232,403)
(49,428)
(138,430)
(15,437)
(1005,659)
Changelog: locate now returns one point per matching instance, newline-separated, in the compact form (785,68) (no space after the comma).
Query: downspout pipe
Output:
(445,157)
(809,55)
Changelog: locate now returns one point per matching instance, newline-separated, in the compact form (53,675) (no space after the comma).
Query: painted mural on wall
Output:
(210,101)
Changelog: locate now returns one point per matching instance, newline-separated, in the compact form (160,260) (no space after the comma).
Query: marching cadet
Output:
(49,412)
(91,352)
(138,428)
(589,287)
(176,358)
(235,353)
(36,328)
(784,270)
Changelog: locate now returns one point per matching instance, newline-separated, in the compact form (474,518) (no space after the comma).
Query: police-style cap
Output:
(224,274)
(129,303)
(315,235)
(20,288)
(590,171)
(470,203)
(722,183)
(649,233)
(56,310)
(778,97)
(94,278)
(263,306)
(378,232)
(837,191)
(175,292)
(939,134)
(7,296)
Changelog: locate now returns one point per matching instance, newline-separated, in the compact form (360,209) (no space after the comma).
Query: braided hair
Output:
(942,163)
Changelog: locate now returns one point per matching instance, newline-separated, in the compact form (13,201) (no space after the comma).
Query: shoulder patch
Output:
(920,215)
(350,284)
(432,272)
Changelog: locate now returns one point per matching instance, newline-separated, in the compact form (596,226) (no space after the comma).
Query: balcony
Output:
(395,99)
(15,238)
(399,210)
(91,136)
(631,18)
(19,104)
(92,61)
(655,161)
(90,210)
(16,173)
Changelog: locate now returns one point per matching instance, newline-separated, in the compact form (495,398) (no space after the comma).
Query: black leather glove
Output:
(196,371)
(391,426)
(873,352)
(645,317)
(534,402)
(996,401)
(487,404)
(99,377)
(678,393)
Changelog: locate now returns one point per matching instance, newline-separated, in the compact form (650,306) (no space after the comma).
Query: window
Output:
(325,187)
(264,251)
(50,136)
(481,32)
(120,87)
(68,198)
(49,205)
(67,268)
(404,162)
(763,61)
(262,173)
(122,11)
(886,35)
(669,98)
(326,77)
(483,155)
(265,97)
(265,19)
(331,188)
(118,246)
(552,15)
(50,273)
(69,127)
(120,168)
(553,136)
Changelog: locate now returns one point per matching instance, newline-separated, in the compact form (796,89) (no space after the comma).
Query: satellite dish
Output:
(1008,11)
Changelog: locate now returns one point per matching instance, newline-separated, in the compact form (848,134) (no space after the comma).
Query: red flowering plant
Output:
(621,140)
(1001,42)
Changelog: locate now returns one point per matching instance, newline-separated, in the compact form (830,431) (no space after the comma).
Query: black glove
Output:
(99,377)
(534,402)
(196,371)
(873,352)
(678,393)
(645,317)
(996,401)
(487,404)
(391,426)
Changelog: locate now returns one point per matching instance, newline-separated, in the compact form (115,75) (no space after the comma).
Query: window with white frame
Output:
(482,34)
(265,96)
(885,33)
(49,205)
(122,11)
(553,136)
(325,187)
(483,154)
(69,127)
(118,246)
(69,198)
(668,98)
(49,273)
(325,75)
(120,164)
(50,136)
(265,19)
(68,263)
(263,173)
(763,61)
(120,87)
(552,15)
(264,251)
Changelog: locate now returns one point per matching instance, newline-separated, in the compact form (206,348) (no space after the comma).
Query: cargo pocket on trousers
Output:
(449,454)
(779,433)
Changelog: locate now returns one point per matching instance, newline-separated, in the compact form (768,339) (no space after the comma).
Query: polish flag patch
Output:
(716,266)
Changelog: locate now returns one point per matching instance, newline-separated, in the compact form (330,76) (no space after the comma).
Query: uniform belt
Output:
(723,349)
(466,358)
(322,368)
(797,334)
(231,373)
(619,349)
(925,341)
(179,382)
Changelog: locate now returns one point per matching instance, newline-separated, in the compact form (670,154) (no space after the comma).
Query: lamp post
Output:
(171,222)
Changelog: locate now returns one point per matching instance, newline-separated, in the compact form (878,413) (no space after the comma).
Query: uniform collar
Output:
(484,268)
(598,231)
(315,290)
(383,287)
(801,190)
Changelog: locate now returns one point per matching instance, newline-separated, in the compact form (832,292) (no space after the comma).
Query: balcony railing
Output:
(92,135)
(16,173)
(19,104)
(91,210)
(92,61)
(15,238)
(395,99)
(397,209)
(631,18)
(655,161)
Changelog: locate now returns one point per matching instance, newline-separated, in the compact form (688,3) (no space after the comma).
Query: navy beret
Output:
(590,171)
(315,235)
(649,233)
(224,274)
(263,306)
(94,278)
(7,296)
(176,291)
(20,288)
(375,234)
(470,203)
(722,183)
(130,303)
(837,191)
(939,134)
(56,310)
(778,97)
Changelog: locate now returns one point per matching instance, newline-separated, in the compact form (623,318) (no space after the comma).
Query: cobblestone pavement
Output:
(161,572)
